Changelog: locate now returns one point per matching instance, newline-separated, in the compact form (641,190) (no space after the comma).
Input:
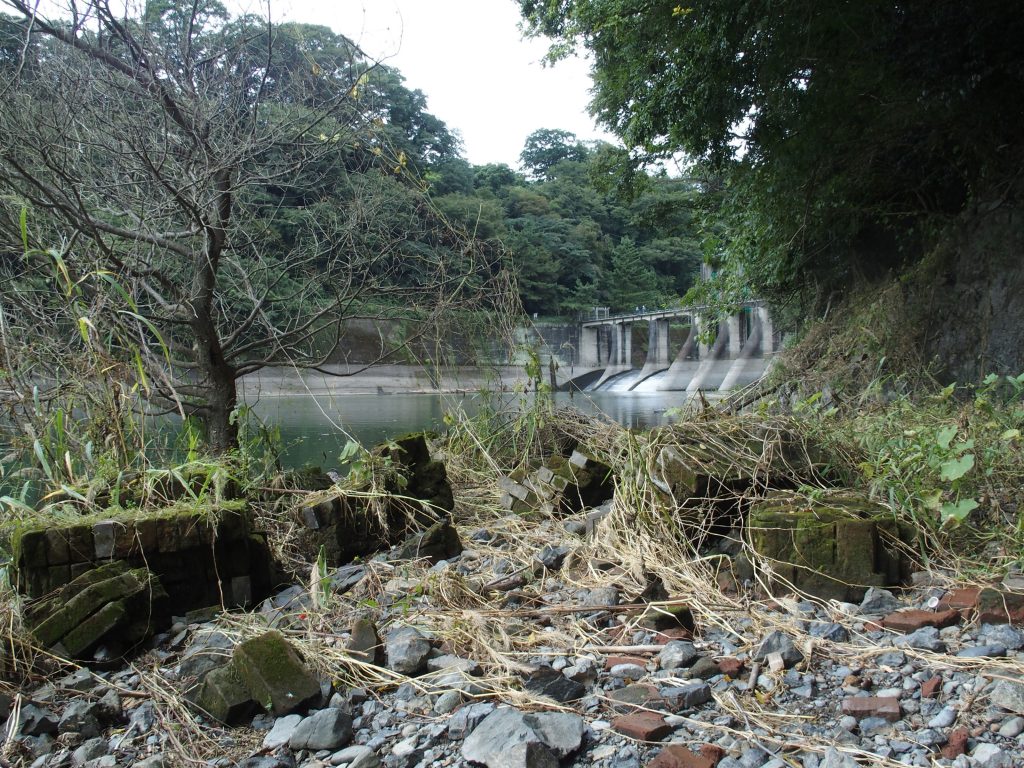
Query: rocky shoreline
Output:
(541,624)
(829,685)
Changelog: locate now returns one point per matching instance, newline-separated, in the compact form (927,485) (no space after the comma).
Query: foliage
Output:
(942,460)
(249,186)
(833,134)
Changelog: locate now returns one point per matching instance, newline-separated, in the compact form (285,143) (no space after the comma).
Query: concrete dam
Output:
(682,349)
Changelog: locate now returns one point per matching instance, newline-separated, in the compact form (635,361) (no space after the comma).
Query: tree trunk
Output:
(221,431)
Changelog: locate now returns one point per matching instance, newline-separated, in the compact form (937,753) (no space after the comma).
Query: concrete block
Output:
(103,535)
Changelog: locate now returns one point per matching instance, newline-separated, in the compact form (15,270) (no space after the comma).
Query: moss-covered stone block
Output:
(111,617)
(57,550)
(91,595)
(225,697)
(168,535)
(274,673)
(81,548)
(833,547)
(29,548)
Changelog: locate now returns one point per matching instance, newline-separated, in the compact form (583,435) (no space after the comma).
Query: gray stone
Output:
(546,681)
(631,671)
(835,759)
(80,717)
(407,650)
(945,718)
(979,651)
(676,654)
(209,649)
(892,659)
(281,733)
(924,639)
(448,662)
(834,633)
(1008,694)
(552,557)
(346,577)
(91,750)
(506,740)
(872,726)
(36,721)
(703,669)
(327,729)
(561,732)
(689,695)
(153,761)
(446,702)
(143,718)
(991,756)
(80,680)
(355,757)
(781,643)
(1002,634)
(465,719)
(1012,728)
(930,737)
(879,601)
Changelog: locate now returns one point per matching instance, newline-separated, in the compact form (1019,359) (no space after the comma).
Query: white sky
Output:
(470,60)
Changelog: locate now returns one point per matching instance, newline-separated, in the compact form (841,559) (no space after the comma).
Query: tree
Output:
(546,147)
(217,194)
(840,131)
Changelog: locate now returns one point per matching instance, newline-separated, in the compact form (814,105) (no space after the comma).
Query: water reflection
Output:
(316,428)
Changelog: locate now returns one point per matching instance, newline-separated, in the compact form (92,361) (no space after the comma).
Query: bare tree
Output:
(218,198)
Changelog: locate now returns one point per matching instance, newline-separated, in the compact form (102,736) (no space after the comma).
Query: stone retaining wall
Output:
(201,558)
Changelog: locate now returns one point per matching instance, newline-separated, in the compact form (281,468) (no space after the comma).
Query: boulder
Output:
(274,673)
(509,739)
(327,729)
(225,697)
(407,650)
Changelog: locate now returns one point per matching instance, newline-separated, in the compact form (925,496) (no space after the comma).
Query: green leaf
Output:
(932,500)
(954,469)
(37,448)
(958,511)
(944,437)
(1010,434)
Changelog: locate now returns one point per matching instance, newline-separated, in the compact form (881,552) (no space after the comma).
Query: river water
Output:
(315,428)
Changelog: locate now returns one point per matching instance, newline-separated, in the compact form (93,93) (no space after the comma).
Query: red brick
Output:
(886,707)
(661,637)
(642,726)
(961,599)
(678,756)
(930,687)
(614,661)
(914,619)
(873,626)
(731,667)
(957,744)
(712,752)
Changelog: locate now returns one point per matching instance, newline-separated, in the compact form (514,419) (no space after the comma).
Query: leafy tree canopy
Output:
(829,131)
